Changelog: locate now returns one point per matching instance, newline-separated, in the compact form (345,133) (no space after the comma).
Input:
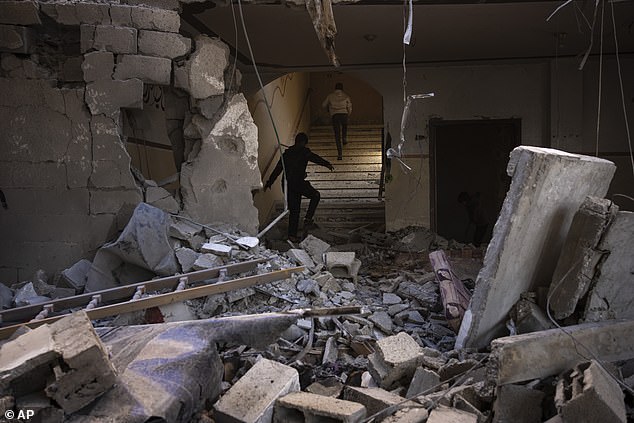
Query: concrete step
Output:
(343,167)
(349,176)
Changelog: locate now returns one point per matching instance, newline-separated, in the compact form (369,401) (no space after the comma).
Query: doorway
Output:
(469,156)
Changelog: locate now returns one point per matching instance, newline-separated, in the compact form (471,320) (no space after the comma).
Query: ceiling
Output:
(371,34)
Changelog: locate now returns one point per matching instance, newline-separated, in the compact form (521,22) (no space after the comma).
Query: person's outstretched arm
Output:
(276,172)
(317,159)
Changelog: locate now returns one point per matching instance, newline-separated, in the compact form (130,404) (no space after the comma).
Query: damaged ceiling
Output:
(370,34)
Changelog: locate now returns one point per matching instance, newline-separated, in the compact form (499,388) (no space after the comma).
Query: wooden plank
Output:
(20,314)
(164,299)
(455,297)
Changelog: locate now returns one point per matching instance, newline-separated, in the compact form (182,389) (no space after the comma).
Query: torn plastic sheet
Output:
(396,153)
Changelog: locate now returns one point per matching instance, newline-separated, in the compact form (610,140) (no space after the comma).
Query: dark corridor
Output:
(469,156)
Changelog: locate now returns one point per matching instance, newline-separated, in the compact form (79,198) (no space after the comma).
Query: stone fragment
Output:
(301,257)
(98,65)
(253,397)
(397,308)
(116,39)
(239,294)
(19,13)
(155,19)
(207,261)
(108,97)
(6,297)
(612,292)
(23,294)
(408,415)
(390,299)
(161,198)
(120,15)
(539,354)
(163,44)
(451,415)
(184,230)
(589,394)
(17,39)
(375,400)
(186,258)
(308,286)
(216,183)
(315,247)
(311,407)
(517,403)
(65,359)
(383,321)
(342,264)
(210,106)
(217,249)
(455,367)
(424,382)
(547,188)
(329,387)
(151,70)
(331,353)
(62,293)
(396,358)
(203,74)
(92,13)
(580,255)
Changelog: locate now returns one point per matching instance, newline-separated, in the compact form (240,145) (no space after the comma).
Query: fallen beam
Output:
(21,314)
(163,299)
(550,352)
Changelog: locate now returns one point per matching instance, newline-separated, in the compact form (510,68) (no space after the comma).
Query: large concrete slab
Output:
(547,188)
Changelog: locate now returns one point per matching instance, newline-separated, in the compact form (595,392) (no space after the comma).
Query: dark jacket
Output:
(296,159)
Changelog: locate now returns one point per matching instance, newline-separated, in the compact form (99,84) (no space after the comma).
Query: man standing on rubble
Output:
(296,159)
(339,106)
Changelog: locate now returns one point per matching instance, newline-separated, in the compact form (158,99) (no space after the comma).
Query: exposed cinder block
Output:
(115,39)
(93,13)
(252,398)
(312,407)
(451,415)
(375,399)
(113,201)
(612,292)
(518,404)
(63,13)
(342,264)
(155,19)
(86,37)
(98,65)
(107,97)
(547,188)
(589,394)
(152,70)
(408,415)
(19,13)
(111,174)
(163,44)
(16,39)
(121,15)
(77,369)
(396,358)
(160,4)
(203,74)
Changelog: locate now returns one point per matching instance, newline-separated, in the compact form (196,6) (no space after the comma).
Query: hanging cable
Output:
(618,66)
(268,106)
(235,58)
(596,151)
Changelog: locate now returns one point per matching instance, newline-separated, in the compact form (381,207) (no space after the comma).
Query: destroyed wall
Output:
(287,97)
(367,103)
(70,72)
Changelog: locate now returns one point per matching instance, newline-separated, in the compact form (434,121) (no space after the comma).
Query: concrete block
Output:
(121,15)
(217,249)
(163,44)
(93,13)
(304,406)
(159,4)
(517,403)
(536,355)
(451,415)
(70,356)
(547,188)
(106,141)
(315,247)
(375,400)
(155,19)
(207,261)
(112,201)
(19,13)
(382,320)
(98,65)
(580,255)
(71,70)
(161,198)
(186,258)
(86,37)
(589,394)
(408,415)
(62,13)
(181,229)
(253,397)
(301,257)
(342,264)
(116,39)
(612,292)
(203,74)
(424,382)
(396,358)
(75,276)
(151,70)
(16,39)
(6,296)
(108,97)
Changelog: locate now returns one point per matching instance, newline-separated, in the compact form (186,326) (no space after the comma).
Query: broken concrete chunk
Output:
(108,97)
(115,39)
(301,257)
(76,365)
(315,247)
(547,188)
(151,70)
(391,299)
(342,264)
(98,65)
(451,415)
(155,19)
(589,394)
(6,297)
(408,415)
(19,13)
(528,317)
(239,294)
(517,403)
(580,255)
(186,258)
(424,382)
(396,358)
(252,398)
(329,387)
(203,74)
(375,399)
(209,106)
(163,44)
(23,294)
(312,407)
(217,249)
(17,39)
(207,261)
(383,321)
(161,198)
(184,230)
(75,276)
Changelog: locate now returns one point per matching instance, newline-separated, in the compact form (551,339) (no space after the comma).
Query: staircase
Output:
(350,193)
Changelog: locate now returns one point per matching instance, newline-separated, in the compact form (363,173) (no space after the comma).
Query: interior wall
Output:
(461,93)
(291,112)
(367,105)
(154,163)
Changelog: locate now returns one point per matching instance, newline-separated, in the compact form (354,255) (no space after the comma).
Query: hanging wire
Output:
(235,58)
(596,151)
(618,65)
(268,106)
